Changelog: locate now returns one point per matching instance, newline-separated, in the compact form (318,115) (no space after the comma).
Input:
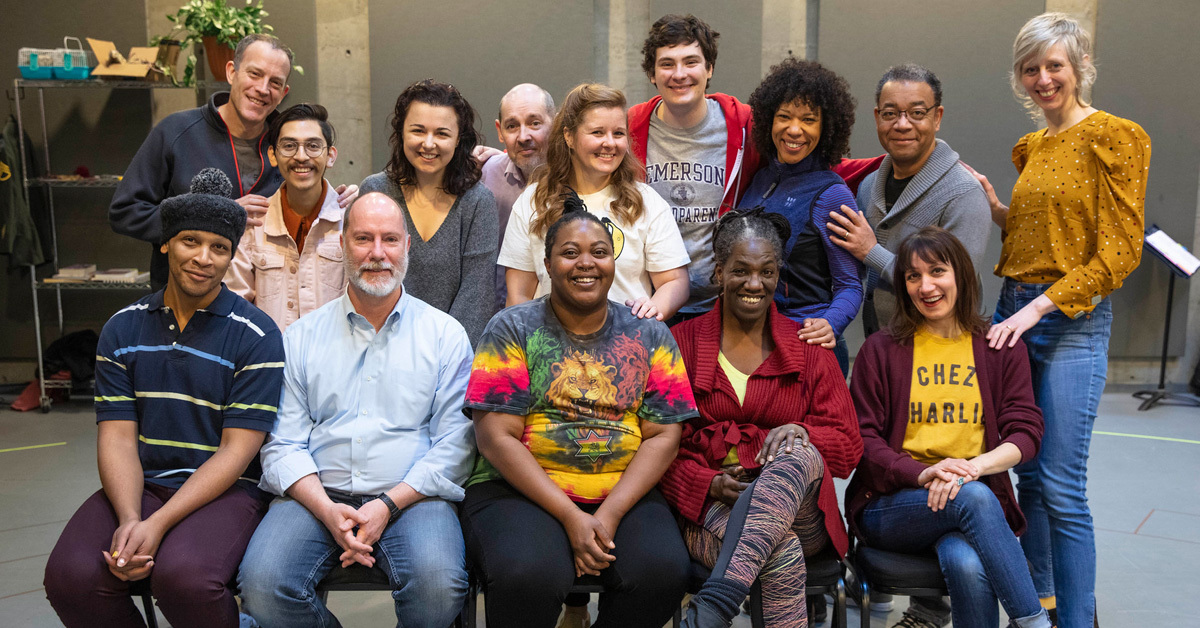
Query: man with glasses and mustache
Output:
(921,182)
(228,133)
(371,445)
(292,263)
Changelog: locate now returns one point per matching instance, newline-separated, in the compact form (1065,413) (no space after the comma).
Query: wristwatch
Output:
(393,509)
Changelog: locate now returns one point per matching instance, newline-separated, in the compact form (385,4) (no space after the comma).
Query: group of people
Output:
(610,351)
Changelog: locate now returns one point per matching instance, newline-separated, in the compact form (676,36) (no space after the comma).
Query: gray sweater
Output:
(943,193)
(454,270)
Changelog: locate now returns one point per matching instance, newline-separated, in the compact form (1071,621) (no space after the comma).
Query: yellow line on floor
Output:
(1172,440)
(31,447)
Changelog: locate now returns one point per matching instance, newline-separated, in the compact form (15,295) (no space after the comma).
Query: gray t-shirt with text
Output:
(687,168)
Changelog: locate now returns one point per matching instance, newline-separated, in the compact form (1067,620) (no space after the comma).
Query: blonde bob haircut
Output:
(555,177)
(1036,38)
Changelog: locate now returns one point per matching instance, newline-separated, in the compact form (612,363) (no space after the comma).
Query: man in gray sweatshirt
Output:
(920,183)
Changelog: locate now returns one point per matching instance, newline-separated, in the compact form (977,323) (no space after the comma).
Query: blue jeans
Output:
(1069,362)
(422,553)
(979,555)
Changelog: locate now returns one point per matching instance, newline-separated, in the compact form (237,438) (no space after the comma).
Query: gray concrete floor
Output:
(1144,486)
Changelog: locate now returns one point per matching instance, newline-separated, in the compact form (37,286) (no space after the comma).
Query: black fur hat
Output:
(206,207)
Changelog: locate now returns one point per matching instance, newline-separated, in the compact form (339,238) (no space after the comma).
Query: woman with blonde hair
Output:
(588,161)
(1072,235)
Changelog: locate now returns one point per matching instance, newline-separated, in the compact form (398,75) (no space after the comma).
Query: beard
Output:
(381,287)
(529,166)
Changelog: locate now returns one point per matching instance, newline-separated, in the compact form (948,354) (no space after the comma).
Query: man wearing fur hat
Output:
(187,386)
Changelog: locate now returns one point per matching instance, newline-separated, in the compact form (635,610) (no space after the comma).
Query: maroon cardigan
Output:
(798,383)
(880,386)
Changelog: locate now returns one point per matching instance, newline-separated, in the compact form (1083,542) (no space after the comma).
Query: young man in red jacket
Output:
(696,146)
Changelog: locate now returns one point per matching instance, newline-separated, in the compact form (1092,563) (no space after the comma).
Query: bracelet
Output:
(393,509)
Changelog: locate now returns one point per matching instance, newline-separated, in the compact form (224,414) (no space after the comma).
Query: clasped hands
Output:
(130,556)
(370,519)
(591,537)
(945,479)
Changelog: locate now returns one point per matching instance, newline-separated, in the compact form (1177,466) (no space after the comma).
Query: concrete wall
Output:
(360,55)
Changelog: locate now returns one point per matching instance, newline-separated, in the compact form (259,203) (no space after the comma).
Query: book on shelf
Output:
(121,275)
(78,272)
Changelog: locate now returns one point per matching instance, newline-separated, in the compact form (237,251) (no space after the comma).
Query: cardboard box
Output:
(137,66)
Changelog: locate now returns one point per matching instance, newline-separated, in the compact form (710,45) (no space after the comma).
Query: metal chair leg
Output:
(148,607)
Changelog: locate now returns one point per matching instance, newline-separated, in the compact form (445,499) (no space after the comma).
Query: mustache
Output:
(379,265)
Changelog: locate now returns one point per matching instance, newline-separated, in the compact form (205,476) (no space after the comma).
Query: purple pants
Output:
(193,572)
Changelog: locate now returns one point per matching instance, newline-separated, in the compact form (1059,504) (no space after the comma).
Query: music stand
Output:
(1183,264)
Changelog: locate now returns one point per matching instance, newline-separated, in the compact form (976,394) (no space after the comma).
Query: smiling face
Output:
(795,131)
(933,289)
(598,144)
(305,168)
(681,75)
(376,244)
(908,141)
(523,126)
(430,137)
(581,267)
(748,279)
(1051,80)
(198,261)
(259,84)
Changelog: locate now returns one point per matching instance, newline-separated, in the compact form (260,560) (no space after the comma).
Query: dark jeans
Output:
(193,568)
(523,558)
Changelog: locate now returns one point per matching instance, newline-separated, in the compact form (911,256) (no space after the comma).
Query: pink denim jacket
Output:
(269,271)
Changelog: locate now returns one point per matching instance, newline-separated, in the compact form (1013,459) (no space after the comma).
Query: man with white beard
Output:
(371,445)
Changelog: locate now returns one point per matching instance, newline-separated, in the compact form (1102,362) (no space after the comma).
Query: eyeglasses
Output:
(313,148)
(916,114)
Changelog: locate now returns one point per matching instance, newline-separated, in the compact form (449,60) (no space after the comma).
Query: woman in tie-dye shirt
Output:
(577,405)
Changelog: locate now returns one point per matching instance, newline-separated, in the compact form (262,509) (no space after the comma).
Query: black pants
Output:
(523,558)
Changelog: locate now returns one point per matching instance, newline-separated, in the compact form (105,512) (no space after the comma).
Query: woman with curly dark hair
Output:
(803,113)
(450,215)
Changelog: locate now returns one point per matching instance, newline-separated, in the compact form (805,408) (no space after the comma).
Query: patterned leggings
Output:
(781,525)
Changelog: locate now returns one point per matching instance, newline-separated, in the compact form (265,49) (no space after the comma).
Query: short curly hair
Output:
(816,86)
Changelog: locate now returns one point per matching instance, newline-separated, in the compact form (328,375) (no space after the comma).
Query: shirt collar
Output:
(329,210)
(351,315)
(221,306)
(513,172)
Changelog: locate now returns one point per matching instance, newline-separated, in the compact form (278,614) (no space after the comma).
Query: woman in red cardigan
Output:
(943,419)
(754,475)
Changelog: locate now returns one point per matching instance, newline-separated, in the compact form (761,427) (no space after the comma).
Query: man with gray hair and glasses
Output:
(921,182)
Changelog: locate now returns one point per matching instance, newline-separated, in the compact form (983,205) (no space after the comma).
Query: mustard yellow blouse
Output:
(1078,210)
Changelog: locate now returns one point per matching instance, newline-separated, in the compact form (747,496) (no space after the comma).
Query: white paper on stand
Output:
(1174,252)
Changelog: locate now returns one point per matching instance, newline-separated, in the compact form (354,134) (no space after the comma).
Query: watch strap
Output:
(393,509)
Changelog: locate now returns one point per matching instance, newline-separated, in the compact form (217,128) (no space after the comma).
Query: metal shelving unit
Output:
(50,182)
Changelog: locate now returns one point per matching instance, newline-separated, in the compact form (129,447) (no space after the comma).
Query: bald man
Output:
(526,112)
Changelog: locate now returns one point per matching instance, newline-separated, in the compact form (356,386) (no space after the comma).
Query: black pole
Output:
(1162,371)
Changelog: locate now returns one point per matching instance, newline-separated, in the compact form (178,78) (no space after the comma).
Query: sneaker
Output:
(886,605)
(912,621)
(574,617)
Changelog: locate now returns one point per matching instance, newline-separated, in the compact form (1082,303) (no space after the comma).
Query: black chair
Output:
(583,584)
(361,578)
(826,576)
(881,571)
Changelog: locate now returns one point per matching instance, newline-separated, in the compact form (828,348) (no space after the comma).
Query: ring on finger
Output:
(959,481)
(1011,328)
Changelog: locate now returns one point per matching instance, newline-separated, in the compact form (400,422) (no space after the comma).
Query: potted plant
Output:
(219,27)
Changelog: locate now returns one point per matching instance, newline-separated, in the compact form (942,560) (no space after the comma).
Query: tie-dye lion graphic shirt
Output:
(582,397)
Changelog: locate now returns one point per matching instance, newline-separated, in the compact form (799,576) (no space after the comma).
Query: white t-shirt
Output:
(650,244)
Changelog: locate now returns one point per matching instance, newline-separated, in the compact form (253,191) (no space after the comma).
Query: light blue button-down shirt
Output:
(368,410)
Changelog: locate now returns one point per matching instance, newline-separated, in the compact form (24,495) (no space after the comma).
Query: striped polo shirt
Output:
(224,370)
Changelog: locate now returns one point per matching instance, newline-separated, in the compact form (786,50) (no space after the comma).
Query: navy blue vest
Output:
(790,190)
